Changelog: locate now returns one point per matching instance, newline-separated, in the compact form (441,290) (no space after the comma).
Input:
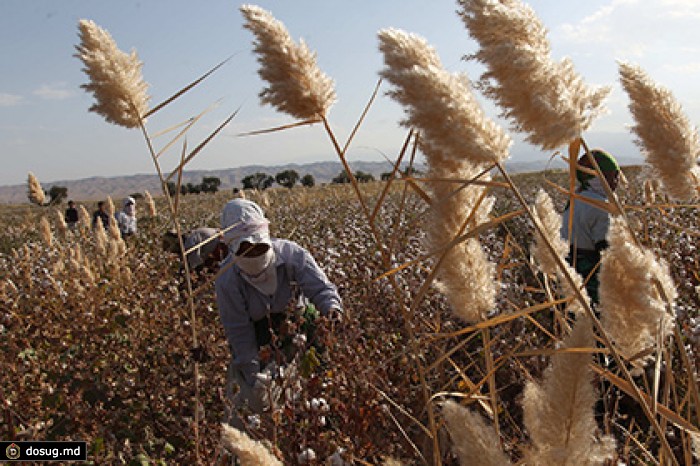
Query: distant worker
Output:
(126,218)
(590,223)
(205,257)
(100,215)
(262,277)
(71,216)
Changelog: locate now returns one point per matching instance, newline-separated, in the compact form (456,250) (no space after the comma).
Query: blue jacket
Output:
(240,303)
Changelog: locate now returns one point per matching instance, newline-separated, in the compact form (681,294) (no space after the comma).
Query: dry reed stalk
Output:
(559,412)
(35,192)
(547,100)
(632,311)
(248,451)
(45,231)
(549,222)
(438,103)
(295,83)
(115,77)
(474,442)
(669,141)
(150,204)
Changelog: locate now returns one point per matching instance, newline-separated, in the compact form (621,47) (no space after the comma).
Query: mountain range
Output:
(98,187)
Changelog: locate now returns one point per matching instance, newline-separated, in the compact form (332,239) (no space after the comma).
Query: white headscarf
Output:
(244,221)
(129,206)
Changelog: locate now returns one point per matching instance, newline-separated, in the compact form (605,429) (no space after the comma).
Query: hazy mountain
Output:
(95,188)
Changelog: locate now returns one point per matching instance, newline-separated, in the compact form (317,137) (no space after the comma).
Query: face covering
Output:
(260,271)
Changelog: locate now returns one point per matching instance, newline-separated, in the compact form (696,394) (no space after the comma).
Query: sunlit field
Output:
(97,345)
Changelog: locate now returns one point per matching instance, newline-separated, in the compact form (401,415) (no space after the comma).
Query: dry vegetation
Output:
(466,339)
(108,360)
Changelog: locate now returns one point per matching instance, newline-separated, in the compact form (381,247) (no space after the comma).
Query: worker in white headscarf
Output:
(126,218)
(260,278)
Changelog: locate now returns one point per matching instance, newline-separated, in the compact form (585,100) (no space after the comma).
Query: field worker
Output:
(261,279)
(126,218)
(206,256)
(100,215)
(590,224)
(71,216)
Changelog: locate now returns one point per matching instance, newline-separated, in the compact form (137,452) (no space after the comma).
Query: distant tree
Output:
(171,187)
(287,178)
(411,171)
(210,184)
(386,176)
(257,180)
(363,177)
(341,178)
(308,180)
(191,188)
(136,196)
(57,194)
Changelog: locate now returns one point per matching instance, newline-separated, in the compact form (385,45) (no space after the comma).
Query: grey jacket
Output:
(240,303)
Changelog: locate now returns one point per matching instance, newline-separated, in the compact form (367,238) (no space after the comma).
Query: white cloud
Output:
(684,68)
(9,100)
(637,28)
(55,91)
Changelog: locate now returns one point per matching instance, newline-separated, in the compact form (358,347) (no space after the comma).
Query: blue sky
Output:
(45,126)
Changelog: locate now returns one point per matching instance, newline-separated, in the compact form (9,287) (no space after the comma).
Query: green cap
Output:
(605,160)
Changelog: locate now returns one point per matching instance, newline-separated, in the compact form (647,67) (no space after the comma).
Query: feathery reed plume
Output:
(150,204)
(113,229)
(695,439)
(670,143)
(559,412)
(100,239)
(438,103)
(61,226)
(474,441)
(550,224)
(457,139)
(632,311)
(45,231)
(295,83)
(84,218)
(248,451)
(35,192)
(115,77)
(547,100)
(110,206)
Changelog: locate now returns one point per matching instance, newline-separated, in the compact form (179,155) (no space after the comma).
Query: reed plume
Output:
(100,239)
(438,103)
(474,441)
(559,412)
(84,218)
(670,143)
(248,451)
(633,312)
(547,100)
(458,140)
(296,85)
(115,77)
(549,222)
(150,204)
(45,231)
(35,192)
(466,276)
(61,226)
